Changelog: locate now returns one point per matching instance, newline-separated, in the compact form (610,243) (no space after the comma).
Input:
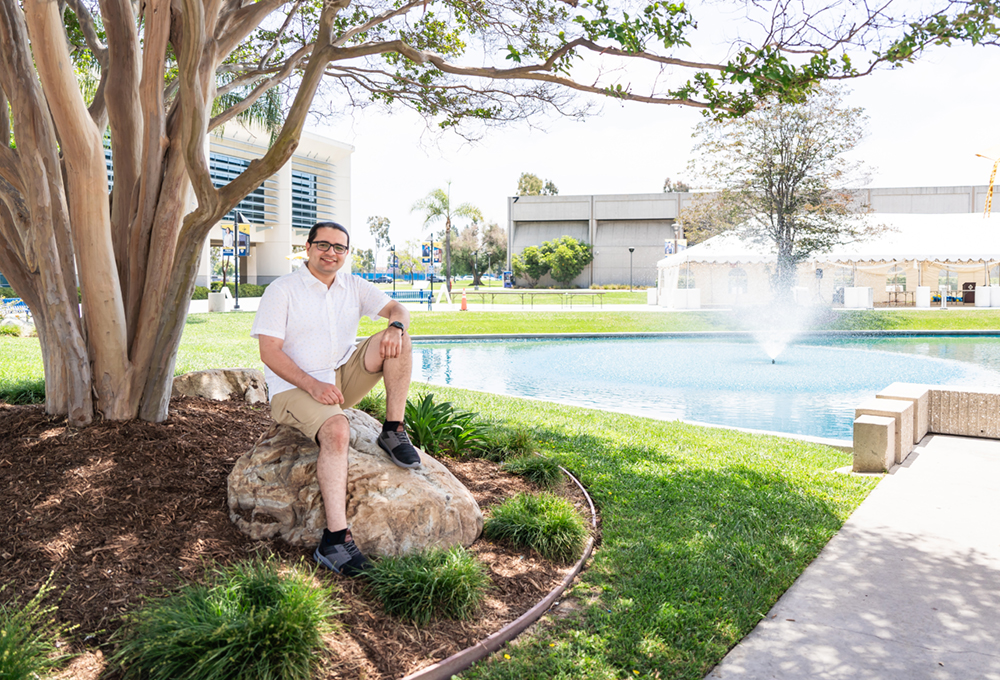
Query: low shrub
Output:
(200,293)
(500,442)
(244,621)
(29,637)
(436,583)
(545,523)
(23,392)
(540,470)
(6,292)
(441,428)
(10,330)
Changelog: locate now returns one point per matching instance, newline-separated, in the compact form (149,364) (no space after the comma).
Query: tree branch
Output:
(86,21)
(286,70)
(281,31)
(377,20)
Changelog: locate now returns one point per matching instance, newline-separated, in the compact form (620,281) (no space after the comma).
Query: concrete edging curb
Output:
(460,661)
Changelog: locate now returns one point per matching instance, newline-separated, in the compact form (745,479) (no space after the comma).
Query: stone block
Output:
(902,411)
(874,443)
(222,383)
(920,396)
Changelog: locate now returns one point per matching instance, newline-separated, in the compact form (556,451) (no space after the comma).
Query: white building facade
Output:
(314,186)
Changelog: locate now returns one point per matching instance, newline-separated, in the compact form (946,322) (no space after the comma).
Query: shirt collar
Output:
(310,279)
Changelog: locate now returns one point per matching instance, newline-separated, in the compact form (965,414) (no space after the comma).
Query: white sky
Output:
(927,123)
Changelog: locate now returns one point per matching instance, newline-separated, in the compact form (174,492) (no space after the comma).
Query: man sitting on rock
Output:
(306,326)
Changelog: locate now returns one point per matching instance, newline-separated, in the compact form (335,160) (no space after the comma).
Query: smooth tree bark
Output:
(150,79)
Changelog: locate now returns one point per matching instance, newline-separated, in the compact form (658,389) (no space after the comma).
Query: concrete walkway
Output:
(909,588)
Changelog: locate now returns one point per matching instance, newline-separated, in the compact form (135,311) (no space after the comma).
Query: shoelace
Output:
(352,549)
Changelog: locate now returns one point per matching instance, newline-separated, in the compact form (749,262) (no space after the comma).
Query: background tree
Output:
(465,253)
(362,260)
(679,186)
(169,72)
(532,185)
(494,246)
(530,264)
(783,177)
(409,259)
(567,258)
(379,228)
(436,207)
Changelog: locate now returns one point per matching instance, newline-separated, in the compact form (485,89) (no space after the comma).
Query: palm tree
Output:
(437,206)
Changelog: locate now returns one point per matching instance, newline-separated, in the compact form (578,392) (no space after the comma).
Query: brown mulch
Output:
(123,511)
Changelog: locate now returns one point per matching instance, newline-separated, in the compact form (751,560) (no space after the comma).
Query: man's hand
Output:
(325,393)
(391,343)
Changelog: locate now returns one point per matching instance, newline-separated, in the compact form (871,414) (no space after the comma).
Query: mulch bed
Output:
(124,511)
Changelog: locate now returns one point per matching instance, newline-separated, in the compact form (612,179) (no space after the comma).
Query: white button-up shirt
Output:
(318,325)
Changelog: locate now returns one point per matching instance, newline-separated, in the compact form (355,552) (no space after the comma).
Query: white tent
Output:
(965,244)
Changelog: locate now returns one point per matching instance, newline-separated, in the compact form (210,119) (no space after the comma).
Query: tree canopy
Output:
(532,185)
(154,78)
(563,259)
(783,178)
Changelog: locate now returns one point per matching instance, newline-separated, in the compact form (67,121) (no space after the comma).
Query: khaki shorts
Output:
(297,408)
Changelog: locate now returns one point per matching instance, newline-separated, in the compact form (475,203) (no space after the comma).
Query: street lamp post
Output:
(239,219)
(392,254)
(630,251)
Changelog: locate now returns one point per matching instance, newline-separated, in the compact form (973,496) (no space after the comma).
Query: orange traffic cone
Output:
(465,306)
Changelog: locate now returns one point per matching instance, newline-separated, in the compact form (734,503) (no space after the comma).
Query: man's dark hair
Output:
(328,225)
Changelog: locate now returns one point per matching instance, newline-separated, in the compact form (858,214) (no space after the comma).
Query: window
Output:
(224,169)
(305,190)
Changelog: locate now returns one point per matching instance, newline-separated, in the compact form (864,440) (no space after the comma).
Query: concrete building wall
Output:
(925,200)
(273,241)
(611,223)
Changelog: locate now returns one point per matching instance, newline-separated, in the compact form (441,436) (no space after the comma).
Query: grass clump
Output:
(10,330)
(245,621)
(438,427)
(373,404)
(29,636)
(545,523)
(500,442)
(23,392)
(540,470)
(436,583)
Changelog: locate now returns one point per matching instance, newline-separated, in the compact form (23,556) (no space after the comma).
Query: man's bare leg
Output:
(331,469)
(336,549)
(396,376)
(396,373)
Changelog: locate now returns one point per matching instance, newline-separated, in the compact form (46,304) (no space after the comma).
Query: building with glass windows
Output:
(314,186)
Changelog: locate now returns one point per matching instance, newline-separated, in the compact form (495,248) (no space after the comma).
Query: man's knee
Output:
(335,433)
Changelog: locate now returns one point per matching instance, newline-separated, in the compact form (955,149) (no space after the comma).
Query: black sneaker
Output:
(343,558)
(399,448)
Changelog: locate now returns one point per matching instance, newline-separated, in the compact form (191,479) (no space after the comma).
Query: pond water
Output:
(812,389)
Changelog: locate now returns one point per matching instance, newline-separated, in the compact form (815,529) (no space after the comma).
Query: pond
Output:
(812,388)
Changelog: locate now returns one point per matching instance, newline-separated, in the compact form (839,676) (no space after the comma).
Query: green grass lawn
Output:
(702,529)
(223,340)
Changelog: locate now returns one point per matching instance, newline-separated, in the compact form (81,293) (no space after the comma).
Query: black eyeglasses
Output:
(324,246)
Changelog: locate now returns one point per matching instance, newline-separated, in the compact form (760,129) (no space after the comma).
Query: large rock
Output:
(273,492)
(222,383)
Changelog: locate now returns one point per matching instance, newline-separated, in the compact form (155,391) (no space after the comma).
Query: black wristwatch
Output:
(397,324)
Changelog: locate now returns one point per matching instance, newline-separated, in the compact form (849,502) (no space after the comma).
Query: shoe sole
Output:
(399,463)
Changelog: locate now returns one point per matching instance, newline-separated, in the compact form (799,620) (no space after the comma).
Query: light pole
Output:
(239,219)
(392,254)
(630,251)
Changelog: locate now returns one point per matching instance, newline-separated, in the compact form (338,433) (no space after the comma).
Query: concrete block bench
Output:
(874,443)
(919,395)
(902,412)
